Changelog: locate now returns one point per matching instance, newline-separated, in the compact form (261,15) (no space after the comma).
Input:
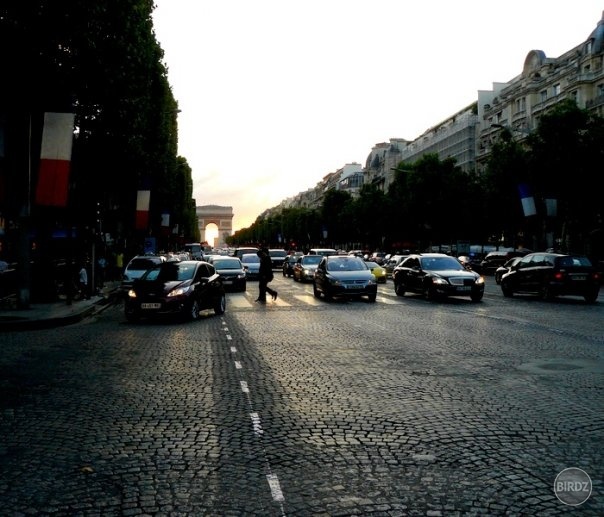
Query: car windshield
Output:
(441,264)
(227,264)
(311,260)
(346,264)
(170,272)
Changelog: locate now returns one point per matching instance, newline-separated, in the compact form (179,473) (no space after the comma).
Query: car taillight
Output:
(558,275)
(596,276)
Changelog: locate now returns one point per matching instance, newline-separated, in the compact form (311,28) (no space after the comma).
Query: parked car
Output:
(288,265)
(378,271)
(502,270)
(231,271)
(553,274)
(305,267)
(344,275)
(277,257)
(251,264)
(137,267)
(379,257)
(176,288)
(437,275)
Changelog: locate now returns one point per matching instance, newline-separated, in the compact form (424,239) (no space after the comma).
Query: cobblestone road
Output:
(305,407)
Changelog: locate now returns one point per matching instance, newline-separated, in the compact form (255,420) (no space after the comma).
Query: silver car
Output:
(251,264)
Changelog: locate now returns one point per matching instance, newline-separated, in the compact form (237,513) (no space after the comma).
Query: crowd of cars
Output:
(171,284)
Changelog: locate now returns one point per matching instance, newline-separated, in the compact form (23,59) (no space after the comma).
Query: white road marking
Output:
(238,365)
(273,482)
(257,426)
(244,387)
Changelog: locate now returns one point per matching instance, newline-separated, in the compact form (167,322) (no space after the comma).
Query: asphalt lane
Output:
(307,407)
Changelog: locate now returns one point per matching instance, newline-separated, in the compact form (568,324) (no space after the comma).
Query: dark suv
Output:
(495,259)
(552,274)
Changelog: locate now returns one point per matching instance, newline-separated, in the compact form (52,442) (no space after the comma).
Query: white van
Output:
(322,251)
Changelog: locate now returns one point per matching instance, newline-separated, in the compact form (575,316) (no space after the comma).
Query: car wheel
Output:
(372,297)
(315,291)
(506,290)
(591,297)
(476,297)
(497,279)
(399,289)
(220,305)
(546,293)
(429,293)
(193,310)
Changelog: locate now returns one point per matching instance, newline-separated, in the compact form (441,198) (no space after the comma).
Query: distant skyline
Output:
(275,95)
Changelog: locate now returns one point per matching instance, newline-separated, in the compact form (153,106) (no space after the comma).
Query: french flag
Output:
(55,159)
(527,200)
(142,209)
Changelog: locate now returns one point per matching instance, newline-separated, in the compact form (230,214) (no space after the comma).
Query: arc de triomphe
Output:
(221,216)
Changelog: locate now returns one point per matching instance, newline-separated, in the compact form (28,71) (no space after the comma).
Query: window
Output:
(520,104)
(543,95)
(556,89)
(600,89)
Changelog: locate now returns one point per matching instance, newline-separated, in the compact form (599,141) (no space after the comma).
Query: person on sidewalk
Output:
(265,276)
(83,283)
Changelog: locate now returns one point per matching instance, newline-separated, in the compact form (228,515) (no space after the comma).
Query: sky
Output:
(276,94)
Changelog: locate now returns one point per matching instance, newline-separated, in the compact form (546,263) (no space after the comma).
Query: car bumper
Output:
(458,290)
(343,290)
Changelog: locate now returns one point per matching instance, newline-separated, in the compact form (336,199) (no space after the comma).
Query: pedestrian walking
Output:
(265,276)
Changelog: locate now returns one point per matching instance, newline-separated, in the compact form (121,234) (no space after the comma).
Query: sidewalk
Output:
(55,314)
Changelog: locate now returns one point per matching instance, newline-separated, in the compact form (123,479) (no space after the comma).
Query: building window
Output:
(600,89)
(556,89)
(574,95)
(543,95)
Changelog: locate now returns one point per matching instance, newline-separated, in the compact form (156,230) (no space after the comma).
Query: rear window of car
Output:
(277,253)
(142,264)
(227,264)
(573,261)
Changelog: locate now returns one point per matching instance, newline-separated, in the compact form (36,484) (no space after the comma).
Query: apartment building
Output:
(578,74)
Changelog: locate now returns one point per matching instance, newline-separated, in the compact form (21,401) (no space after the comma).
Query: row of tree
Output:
(99,60)
(432,202)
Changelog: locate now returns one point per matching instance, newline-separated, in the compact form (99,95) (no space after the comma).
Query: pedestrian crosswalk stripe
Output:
(309,299)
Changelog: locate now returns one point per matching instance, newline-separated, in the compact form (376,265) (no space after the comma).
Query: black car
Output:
(277,257)
(502,270)
(230,269)
(553,274)
(437,274)
(344,275)
(495,259)
(288,265)
(176,288)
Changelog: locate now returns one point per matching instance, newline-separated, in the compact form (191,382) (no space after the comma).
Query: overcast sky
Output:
(275,94)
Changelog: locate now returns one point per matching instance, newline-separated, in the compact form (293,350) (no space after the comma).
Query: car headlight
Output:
(131,293)
(179,291)
(439,281)
(480,280)
(241,275)
(372,281)
(334,281)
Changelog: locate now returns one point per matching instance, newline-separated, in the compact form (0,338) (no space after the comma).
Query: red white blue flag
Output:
(55,159)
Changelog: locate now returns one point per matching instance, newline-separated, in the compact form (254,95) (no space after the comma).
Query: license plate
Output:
(579,277)
(464,288)
(150,305)
(227,282)
(354,287)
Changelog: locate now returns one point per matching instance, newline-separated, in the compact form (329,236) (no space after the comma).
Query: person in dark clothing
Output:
(266,276)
